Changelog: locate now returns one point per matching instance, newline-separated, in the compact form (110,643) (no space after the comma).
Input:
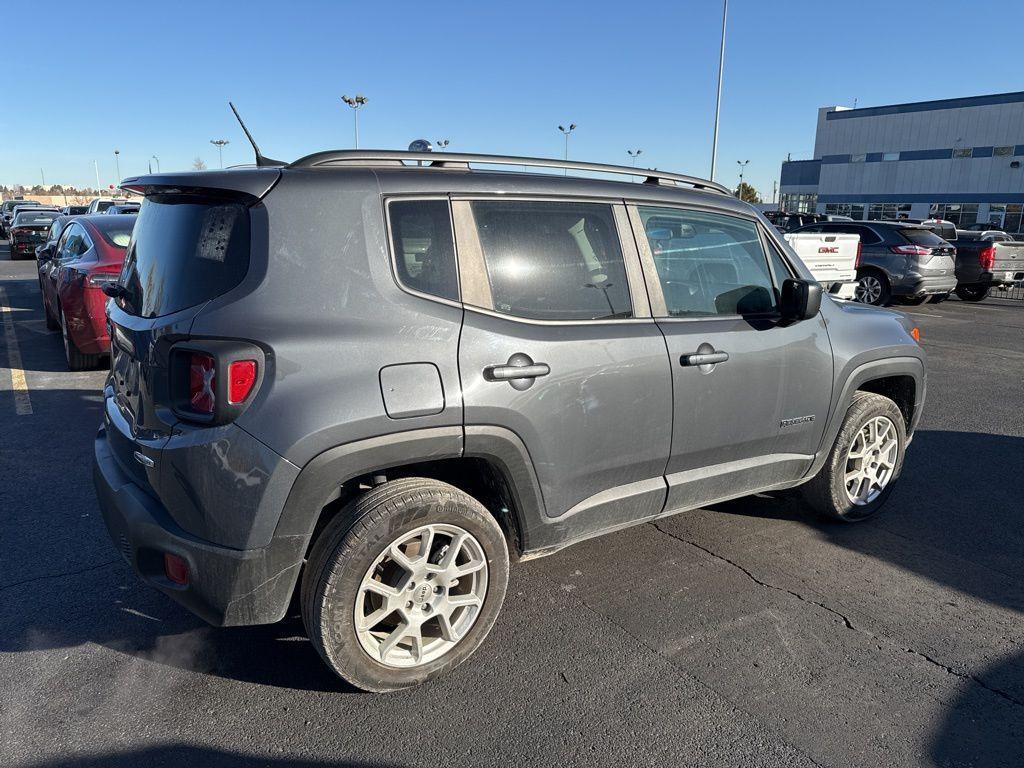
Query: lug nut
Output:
(412,585)
(438,590)
(409,604)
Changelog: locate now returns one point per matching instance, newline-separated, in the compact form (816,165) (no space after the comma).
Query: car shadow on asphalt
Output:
(177,755)
(955,519)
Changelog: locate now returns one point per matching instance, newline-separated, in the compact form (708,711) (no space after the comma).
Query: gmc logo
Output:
(828,249)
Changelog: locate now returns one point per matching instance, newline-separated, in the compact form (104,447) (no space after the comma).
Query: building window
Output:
(888,211)
(1003,151)
(887,156)
(798,203)
(853,210)
(961,214)
(1006,216)
(963,152)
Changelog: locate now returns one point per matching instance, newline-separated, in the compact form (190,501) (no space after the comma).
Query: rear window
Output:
(184,251)
(117,232)
(34,219)
(923,237)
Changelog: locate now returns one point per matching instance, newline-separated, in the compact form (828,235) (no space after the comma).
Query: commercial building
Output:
(957,159)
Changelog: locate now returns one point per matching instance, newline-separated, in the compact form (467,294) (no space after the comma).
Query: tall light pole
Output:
(157,163)
(566,132)
(43,176)
(634,154)
(718,99)
(742,164)
(442,144)
(220,144)
(357,103)
(117,164)
(96,167)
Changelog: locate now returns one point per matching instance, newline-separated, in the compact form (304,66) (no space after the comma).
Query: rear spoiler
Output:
(246,183)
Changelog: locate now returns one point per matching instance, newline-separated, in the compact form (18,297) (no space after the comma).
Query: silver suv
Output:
(372,379)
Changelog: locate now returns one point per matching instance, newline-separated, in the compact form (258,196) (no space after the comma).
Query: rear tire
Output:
(419,615)
(873,288)
(864,464)
(77,361)
(938,298)
(972,293)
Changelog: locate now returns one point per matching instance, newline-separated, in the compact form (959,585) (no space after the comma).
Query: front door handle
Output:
(704,358)
(520,371)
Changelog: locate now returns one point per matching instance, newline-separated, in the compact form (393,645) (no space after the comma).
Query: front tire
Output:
(873,288)
(864,463)
(404,584)
(972,293)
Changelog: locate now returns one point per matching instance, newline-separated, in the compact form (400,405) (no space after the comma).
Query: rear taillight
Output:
(202,383)
(911,250)
(17,232)
(857,262)
(987,258)
(241,378)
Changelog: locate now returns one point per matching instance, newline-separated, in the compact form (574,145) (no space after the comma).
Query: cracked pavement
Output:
(740,635)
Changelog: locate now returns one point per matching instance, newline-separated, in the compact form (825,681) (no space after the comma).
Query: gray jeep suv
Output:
(370,379)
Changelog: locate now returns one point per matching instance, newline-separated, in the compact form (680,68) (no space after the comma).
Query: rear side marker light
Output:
(202,383)
(241,378)
(176,569)
(856,263)
(915,333)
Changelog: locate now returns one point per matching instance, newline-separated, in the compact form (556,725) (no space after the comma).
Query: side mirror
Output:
(114,290)
(801,299)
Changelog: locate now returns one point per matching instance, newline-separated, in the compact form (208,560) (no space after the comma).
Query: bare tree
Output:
(198,164)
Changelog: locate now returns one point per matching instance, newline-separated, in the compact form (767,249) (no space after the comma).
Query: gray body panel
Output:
(362,375)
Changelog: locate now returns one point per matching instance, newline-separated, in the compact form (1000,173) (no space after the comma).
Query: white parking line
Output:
(19,385)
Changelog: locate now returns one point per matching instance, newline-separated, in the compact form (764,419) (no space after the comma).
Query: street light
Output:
(117,164)
(442,144)
(220,144)
(356,103)
(742,164)
(634,154)
(157,163)
(718,99)
(566,132)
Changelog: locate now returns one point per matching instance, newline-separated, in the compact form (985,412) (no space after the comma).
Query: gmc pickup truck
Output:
(985,260)
(833,259)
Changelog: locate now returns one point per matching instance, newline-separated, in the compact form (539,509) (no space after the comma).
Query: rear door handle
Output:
(508,372)
(704,358)
(520,371)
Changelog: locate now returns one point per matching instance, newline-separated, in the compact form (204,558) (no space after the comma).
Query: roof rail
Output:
(384,158)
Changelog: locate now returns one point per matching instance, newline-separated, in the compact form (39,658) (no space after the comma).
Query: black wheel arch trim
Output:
(860,375)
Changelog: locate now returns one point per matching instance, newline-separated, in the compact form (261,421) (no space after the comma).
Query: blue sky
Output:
(491,77)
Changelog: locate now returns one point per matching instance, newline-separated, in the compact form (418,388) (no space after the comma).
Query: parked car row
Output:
(76,254)
(910,262)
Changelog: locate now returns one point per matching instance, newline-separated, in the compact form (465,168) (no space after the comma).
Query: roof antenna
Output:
(261,161)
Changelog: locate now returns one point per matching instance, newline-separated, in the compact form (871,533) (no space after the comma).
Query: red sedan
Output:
(88,256)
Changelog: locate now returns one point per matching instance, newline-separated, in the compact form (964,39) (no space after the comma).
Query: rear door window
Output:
(553,260)
(184,250)
(923,237)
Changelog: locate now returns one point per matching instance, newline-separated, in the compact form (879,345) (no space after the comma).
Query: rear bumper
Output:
(227,587)
(920,285)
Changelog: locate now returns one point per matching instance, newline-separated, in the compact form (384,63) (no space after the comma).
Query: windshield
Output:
(923,237)
(26,219)
(184,250)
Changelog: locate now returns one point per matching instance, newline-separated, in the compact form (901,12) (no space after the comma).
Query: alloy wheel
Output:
(869,289)
(871,461)
(421,595)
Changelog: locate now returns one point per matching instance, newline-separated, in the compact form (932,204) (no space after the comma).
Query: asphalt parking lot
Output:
(741,635)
